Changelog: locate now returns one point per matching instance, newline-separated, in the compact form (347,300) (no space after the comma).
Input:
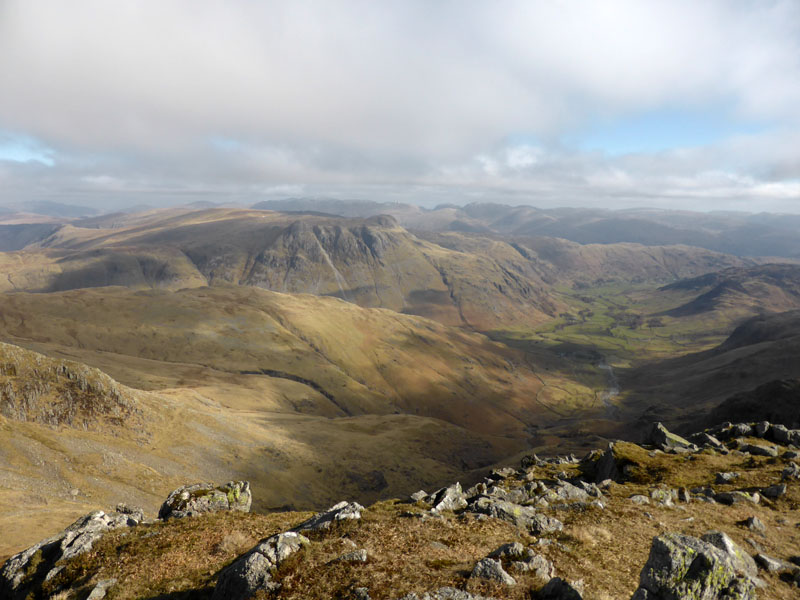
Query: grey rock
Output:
(449,498)
(542,524)
(768,563)
(779,433)
(662,497)
(790,471)
(488,568)
(684,495)
(99,590)
(741,430)
(504,473)
(727,477)
(774,491)
(512,551)
(662,438)
(357,556)
(537,564)
(199,498)
(754,524)
(559,589)
(254,570)
(760,429)
(418,496)
(791,454)
(343,511)
(566,491)
(759,450)
(705,439)
(735,497)
(361,593)
(639,499)
(681,566)
(742,562)
(73,541)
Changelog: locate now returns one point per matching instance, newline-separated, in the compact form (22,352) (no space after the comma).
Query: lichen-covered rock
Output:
(343,511)
(681,567)
(27,570)
(199,498)
(255,570)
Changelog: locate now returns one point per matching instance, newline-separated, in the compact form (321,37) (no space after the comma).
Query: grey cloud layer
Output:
(201,95)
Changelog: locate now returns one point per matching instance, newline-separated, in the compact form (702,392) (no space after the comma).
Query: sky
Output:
(618,104)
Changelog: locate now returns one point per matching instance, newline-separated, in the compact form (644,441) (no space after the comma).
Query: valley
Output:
(322,357)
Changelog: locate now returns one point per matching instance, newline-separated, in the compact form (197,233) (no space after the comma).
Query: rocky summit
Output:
(707,517)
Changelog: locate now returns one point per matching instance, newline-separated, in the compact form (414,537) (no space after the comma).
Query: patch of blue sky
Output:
(225,144)
(23,149)
(661,130)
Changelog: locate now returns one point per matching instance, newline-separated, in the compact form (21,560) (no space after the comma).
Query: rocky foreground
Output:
(712,516)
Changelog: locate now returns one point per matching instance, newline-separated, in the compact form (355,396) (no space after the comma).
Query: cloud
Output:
(199,96)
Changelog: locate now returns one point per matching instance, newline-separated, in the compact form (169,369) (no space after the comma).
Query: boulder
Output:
(512,551)
(753,524)
(559,589)
(199,498)
(681,566)
(343,511)
(790,471)
(536,564)
(488,568)
(728,477)
(99,590)
(255,570)
(759,450)
(27,570)
(660,437)
(449,498)
(774,491)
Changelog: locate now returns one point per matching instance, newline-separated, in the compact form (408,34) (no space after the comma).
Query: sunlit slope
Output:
(74,440)
(351,360)
(371,262)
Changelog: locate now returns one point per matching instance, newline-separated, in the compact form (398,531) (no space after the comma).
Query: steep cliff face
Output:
(38,389)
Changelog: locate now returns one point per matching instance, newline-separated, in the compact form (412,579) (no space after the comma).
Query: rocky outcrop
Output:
(681,566)
(664,439)
(27,570)
(255,570)
(343,511)
(39,389)
(488,568)
(199,498)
